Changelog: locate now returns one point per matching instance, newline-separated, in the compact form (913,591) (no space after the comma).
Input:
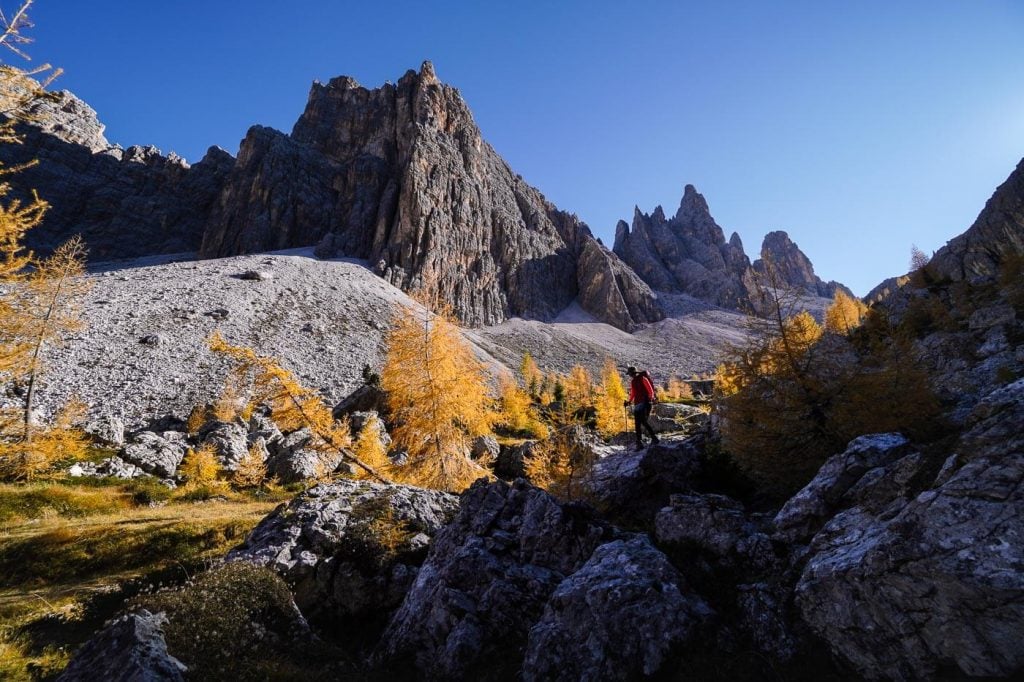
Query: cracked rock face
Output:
(937,585)
(793,267)
(485,583)
(319,542)
(401,176)
(687,253)
(130,648)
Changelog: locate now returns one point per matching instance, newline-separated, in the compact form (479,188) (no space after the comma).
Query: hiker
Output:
(641,396)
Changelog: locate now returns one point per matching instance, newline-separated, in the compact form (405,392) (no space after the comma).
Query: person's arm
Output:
(649,387)
(632,392)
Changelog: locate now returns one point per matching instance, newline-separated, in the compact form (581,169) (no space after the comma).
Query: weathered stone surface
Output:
(159,455)
(686,254)
(114,467)
(806,511)
(366,398)
(106,430)
(676,417)
(293,458)
(511,462)
(997,233)
(401,176)
(485,582)
(229,440)
(793,268)
(124,203)
(939,585)
(485,448)
(621,616)
(130,648)
(323,544)
(715,524)
(762,615)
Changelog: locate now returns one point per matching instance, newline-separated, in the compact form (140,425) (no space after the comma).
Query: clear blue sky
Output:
(859,127)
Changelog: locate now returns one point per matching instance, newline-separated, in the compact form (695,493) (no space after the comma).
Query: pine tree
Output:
(611,417)
(293,406)
(437,393)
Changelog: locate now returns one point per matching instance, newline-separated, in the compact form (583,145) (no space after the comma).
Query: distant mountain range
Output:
(399,176)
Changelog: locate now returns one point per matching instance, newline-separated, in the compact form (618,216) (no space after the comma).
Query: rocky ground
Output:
(142,353)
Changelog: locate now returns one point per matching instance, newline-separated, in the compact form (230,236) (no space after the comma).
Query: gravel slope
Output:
(325,320)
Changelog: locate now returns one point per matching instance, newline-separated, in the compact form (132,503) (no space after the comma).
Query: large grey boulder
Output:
(130,649)
(294,458)
(330,544)
(806,511)
(106,430)
(112,467)
(717,525)
(939,584)
(229,440)
(676,417)
(621,616)
(159,455)
(485,583)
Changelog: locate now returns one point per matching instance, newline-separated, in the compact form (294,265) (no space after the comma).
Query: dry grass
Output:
(71,554)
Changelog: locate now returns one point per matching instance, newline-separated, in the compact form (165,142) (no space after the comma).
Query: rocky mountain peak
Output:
(692,204)
(793,267)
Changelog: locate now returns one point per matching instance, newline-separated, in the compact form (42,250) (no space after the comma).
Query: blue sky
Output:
(859,128)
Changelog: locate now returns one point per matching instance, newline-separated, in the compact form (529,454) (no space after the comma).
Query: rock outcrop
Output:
(687,253)
(401,176)
(485,583)
(933,583)
(792,267)
(130,648)
(124,202)
(997,234)
(330,544)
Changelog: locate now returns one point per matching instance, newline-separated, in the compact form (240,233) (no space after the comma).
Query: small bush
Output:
(560,465)
(252,469)
(200,466)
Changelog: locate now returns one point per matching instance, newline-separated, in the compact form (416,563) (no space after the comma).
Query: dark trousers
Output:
(640,414)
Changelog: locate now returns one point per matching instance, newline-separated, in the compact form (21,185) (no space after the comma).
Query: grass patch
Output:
(70,555)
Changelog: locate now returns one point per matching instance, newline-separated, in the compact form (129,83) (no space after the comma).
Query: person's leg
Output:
(638,427)
(646,424)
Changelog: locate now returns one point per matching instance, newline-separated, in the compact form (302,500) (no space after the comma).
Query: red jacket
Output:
(641,390)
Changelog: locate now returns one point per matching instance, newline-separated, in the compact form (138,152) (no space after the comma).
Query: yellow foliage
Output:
(437,393)
(369,447)
(611,416)
(579,389)
(845,314)
(532,377)
(196,419)
(292,405)
(60,440)
(200,466)
(675,389)
(252,469)
(229,405)
(559,466)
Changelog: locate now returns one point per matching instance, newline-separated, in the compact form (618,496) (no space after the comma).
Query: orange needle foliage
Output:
(437,392)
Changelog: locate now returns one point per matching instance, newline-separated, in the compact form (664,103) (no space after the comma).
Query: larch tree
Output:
(293,406)
(438,396)
(579,389)
(844,314)
(532,376)
(611,416)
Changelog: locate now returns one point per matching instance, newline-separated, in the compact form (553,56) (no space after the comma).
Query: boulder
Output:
(159,455)
(806,511)
(349,549)
(716,525)
(366,398)
(621,616)
(676,417)
(230,441)
(485,583)
(485,449)
(762,616)
(130,648)
(262,427)
(511,462)
(112,467)
(294,459)
(937,585)
(106,430)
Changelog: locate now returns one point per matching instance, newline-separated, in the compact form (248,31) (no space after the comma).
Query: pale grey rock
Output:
(939,584)
(130,649)
(485,448)
(321,543)
(294,459)
(229,440)
(113,467)
(671,417)
(622,616)
(992,316)
(792,268)
(106,430)
(159,455)
(485,582)
(806,511)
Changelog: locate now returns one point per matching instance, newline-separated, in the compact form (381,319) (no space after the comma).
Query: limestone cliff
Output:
(793,267)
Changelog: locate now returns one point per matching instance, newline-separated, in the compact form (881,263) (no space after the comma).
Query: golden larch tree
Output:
(293,406)
(579,389)
(438,396)
(611,416)
(532,376)
(844,314)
